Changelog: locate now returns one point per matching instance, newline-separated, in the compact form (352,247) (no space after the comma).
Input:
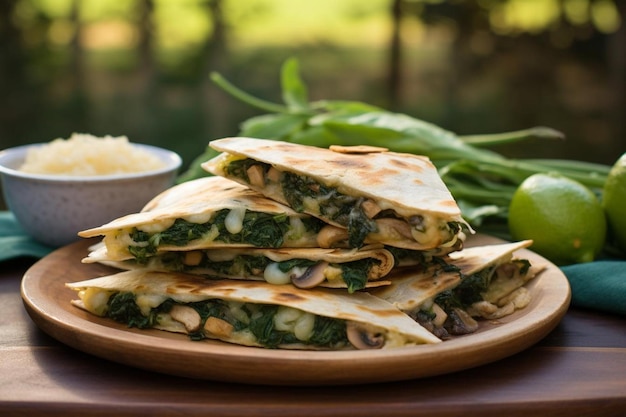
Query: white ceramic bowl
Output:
(54,208)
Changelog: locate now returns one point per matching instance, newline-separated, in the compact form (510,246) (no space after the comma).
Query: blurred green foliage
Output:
(140,67)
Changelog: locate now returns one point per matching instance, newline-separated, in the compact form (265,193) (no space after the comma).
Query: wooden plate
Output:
(48,303)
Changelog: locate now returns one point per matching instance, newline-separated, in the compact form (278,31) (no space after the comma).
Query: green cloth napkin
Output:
(15,242)
(599,285)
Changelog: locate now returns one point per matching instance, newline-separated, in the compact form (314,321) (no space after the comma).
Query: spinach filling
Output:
(468,292)
(333,205)
(327,332)
(353,273)
(259,229)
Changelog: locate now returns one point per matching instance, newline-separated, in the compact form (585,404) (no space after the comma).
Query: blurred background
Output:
(141,68)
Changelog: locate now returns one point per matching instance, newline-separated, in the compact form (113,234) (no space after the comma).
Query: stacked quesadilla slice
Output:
(250,313)
(478,282)
(214,227)
(292,246)
(377,196)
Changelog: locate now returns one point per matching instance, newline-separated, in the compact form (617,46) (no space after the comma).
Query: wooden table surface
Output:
(578,369)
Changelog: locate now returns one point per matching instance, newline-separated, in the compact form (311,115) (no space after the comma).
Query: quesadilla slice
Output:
(479,282)
(203,213)
(303,267)
(249,313)
(379,196)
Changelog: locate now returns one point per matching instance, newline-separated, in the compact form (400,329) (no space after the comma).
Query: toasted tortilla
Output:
(410,288)
(151,288)
(206,262)
(418,292)
(406,187)
(198,202)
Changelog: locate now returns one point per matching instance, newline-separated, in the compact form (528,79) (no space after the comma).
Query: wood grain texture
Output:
(577,369)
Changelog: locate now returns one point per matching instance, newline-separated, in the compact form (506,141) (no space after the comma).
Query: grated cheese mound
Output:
(87,155)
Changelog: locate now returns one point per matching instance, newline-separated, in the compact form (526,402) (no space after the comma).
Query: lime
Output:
(614,202)
(564,218)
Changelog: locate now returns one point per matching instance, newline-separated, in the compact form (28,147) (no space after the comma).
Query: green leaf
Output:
(273,126)
(295,94)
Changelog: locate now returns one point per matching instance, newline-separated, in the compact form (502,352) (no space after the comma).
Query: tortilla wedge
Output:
(249,313)
(204,213)
(482,281)
(303,267)
(379,196)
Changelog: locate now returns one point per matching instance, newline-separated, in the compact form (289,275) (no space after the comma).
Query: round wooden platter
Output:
(47,301)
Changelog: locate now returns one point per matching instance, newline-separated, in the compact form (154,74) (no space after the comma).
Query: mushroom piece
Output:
(370,208)
(329,236)
(362,338)
(312,277)
(400,227)
(218,327)
(273,174)
(192,258)
(256,175)
(187,316)
(461,322)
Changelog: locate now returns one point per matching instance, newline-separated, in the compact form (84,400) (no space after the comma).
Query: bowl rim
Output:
(172,160)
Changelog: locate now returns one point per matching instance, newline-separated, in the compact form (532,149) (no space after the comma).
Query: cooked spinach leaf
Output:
(123,308)
(467,292)
(355,273)
(262,326)
(329,332)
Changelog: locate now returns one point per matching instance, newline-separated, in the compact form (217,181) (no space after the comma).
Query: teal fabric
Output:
(599,285)
(14,242)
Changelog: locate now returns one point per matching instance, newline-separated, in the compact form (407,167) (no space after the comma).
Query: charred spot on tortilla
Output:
(330,185)
(288,297)
(357,149)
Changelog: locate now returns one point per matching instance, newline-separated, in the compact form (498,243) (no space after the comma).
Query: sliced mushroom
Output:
(362,338)
(370,208)
(400,227)
(187,316)
(256,176)
(218,327)
(312,277)
(273,174)
(331,236)
(460,322)
(192,258)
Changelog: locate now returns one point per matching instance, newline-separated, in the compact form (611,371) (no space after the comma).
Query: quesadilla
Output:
(479,282)
(249,313)
(303,267)
(203,213)
(379,196)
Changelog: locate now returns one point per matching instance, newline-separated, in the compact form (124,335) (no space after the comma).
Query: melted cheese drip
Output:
(295,321)
(234,220)
(274,275)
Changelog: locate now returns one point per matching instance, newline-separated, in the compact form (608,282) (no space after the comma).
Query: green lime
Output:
(614,202)
(564,218)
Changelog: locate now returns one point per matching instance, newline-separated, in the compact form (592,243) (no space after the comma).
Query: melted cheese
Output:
(234,220)
(95,300)
(295,321)
(274,275)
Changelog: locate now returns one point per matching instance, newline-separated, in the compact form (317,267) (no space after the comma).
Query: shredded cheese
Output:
(87,155)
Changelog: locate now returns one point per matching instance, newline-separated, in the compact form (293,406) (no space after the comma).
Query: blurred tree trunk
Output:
(78,99)
(216,108)
(617,78)
(146,75)
(394,76)
(12,70)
